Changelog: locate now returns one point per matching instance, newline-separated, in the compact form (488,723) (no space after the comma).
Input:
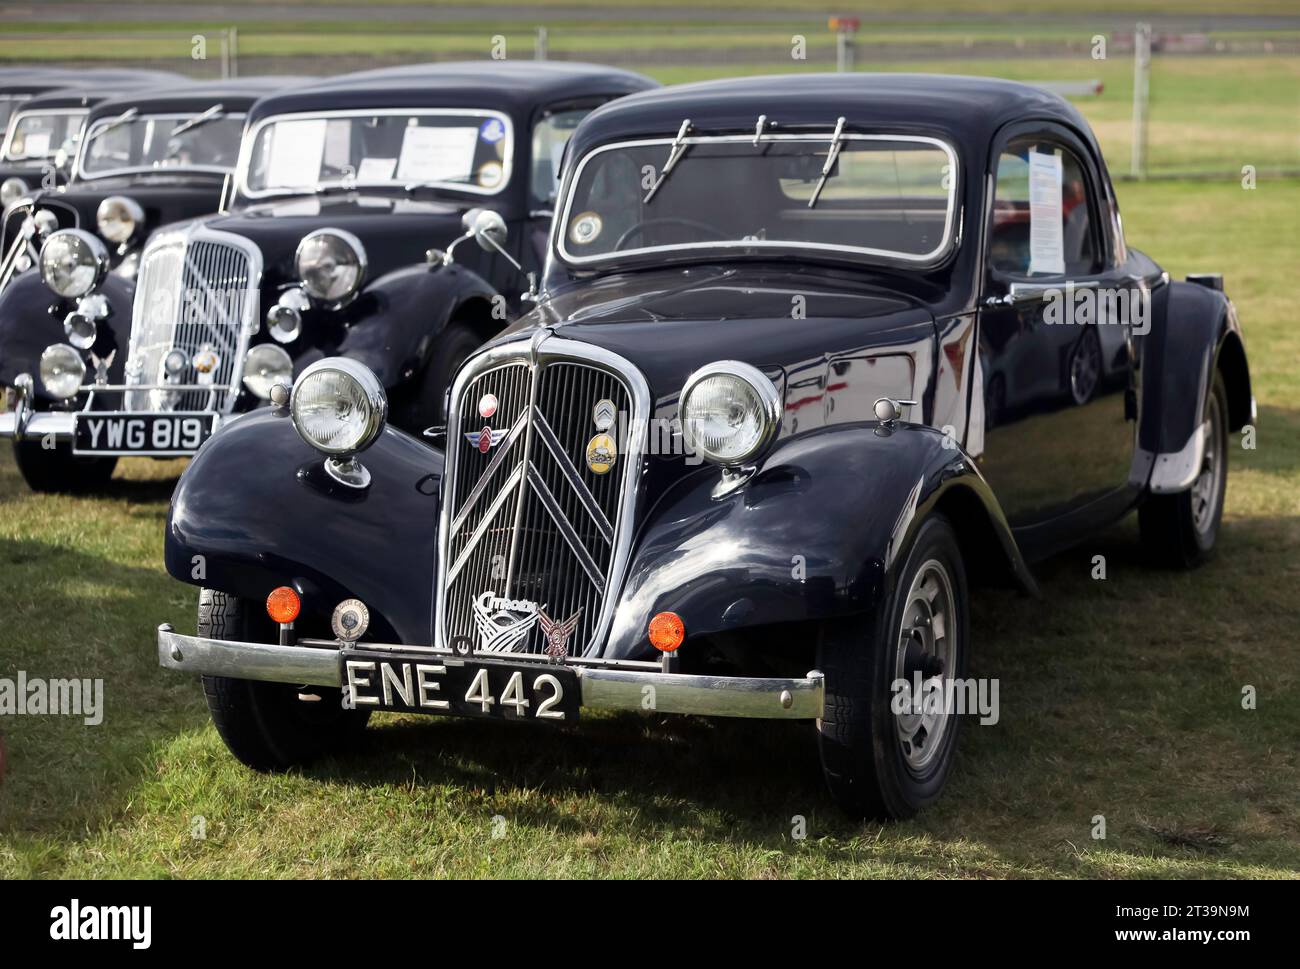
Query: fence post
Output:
(1141,97)
(225,53)
(540,45)
(234,52)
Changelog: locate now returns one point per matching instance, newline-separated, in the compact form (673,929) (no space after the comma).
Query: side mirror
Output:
(487,227)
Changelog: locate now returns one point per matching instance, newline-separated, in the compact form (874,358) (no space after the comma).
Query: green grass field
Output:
(1119,698)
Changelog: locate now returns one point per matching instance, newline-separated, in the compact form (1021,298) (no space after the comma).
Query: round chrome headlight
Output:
(62,371)
(73,262)
(11,190)
(730,412)
(265,366)
(119,218)
(338,406)
(331,264)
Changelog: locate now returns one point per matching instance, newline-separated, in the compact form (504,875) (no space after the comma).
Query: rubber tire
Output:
(1167,523)
(265,725)
(57,471)
(860,756)
(451,349)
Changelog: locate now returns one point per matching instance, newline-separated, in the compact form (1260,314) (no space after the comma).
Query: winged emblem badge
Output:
(557,634)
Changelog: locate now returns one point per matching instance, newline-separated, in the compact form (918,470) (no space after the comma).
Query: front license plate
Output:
(151,435)
(441,684)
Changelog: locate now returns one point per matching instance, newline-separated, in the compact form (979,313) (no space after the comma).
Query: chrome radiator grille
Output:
(528,519)
(195,291)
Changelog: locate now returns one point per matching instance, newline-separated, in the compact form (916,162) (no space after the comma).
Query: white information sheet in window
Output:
(437,154)
(297,148)
(1046,222)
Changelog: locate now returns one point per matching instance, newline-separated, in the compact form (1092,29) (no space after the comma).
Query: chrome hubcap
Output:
(1209,483)
(926,652)
(1085,369)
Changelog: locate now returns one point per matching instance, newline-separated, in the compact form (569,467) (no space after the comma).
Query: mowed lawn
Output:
(1119,698)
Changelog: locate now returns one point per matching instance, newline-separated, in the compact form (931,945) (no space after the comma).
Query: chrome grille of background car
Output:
(194,289)
(529,519)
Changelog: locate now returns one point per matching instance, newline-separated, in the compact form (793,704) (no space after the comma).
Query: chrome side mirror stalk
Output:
(488,229)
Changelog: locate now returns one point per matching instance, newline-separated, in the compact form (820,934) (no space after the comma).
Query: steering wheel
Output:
(640,227)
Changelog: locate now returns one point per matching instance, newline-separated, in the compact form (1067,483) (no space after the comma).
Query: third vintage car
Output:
(350,203)
(737,461)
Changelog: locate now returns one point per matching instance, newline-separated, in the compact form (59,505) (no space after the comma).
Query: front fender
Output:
(814,534)
(255,510)
(31,318)
(406,310)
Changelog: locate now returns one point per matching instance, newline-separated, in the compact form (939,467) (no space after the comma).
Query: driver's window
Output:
(1042,213)
(550,135)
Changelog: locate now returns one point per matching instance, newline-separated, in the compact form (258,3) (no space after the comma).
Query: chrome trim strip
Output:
(493,466)
(570,473)
(602,689)
(250,139)
(507,491)
(559,231)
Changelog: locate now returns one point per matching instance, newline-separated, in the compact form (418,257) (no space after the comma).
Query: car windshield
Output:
(874,195)
(37,136)
(464,151)
(154,143)
(8,105)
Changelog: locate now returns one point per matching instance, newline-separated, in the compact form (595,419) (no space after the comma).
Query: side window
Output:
(1042,213)
(550,135)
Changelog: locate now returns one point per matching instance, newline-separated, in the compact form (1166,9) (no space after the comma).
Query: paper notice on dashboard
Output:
(1046,222)
(37,144)
(297,149)
(376,170)
(437,154)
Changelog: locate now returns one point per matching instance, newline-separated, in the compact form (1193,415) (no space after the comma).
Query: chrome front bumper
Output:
(602,688)
(24,423)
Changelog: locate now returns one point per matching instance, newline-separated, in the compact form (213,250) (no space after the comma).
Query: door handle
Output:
(1033,292)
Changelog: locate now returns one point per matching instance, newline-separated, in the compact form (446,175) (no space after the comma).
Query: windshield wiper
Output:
(117,122)
(216,111)
(675,153)
(832,155)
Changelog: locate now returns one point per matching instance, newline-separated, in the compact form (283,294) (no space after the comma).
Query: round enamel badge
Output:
(487,405)
(602,452)
(604,414)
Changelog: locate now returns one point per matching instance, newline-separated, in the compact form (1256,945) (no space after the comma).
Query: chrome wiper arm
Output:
(832,155)
(117,122)
(675,153)
(216,111)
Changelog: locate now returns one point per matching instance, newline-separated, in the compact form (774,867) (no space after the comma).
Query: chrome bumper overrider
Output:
(602,689)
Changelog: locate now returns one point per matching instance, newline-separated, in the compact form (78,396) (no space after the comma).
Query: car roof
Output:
(234,94)
(516,87)
(966,110)
(25,80)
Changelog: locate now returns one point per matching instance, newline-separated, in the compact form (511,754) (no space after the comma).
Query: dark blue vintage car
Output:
(738,461)
(345,197)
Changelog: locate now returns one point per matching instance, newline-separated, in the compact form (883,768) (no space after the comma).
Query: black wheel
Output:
(879,763)
(427,407)
(1180,530)
(269,726)
(56,469)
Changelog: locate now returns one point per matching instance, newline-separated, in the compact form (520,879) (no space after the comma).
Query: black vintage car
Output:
(41,131)
(349,195)
(71,255)
(737,461)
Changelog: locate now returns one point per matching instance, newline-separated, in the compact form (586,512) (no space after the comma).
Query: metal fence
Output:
(1163,104)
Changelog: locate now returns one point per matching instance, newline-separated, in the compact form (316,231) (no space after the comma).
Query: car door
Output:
(1056,352)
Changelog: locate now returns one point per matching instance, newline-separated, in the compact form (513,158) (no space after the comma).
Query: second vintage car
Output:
(737,461)
(349,196)
(147,159)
